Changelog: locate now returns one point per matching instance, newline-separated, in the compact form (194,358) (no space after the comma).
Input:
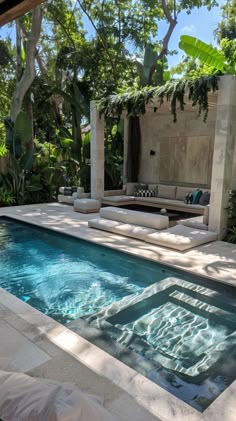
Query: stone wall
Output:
(183,150)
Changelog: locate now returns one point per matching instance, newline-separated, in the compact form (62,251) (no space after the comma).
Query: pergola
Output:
(12,9)
(224,150)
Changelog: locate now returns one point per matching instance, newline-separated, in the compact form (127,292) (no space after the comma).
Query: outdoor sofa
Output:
(169,197)
(151,228)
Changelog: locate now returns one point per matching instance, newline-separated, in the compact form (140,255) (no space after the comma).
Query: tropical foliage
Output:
(53,68)
(135,102)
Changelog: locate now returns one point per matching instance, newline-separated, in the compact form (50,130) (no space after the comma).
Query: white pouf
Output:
(86,205)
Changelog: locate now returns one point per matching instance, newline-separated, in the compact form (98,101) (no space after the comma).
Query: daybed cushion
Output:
(181,237)
(196,222)
(168,192)
(24,398)
(134,217)
(128,230)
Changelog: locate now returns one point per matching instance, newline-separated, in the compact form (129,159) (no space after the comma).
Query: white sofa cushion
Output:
(24,398)
(167,192)
(117,199)
(69,200)
(128,230)
(181,237)
(130,189)
(133,217)
(182,192)
(171,202)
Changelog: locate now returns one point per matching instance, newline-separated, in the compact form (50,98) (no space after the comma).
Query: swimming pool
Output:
(167,325)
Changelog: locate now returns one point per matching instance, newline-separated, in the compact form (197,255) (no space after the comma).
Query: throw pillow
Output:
(67,191)
(153,187)
(188,199)
(205,199)
(196,196)
(138,187)
(145,193)
(74,189)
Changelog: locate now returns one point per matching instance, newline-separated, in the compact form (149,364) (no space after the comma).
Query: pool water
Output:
(66,278)
(180,328)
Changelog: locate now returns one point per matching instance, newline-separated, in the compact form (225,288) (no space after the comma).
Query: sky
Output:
(200,23)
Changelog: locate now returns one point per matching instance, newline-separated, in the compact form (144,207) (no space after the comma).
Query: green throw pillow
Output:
(196,195)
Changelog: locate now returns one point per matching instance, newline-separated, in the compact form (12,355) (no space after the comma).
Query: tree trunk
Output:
(172,21)
(18,51)
(28,74)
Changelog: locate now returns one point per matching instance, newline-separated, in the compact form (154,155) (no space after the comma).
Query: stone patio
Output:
(35,344)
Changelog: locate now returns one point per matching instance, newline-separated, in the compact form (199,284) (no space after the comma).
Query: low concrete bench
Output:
(86,205)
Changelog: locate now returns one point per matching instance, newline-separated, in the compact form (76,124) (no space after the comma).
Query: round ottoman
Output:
(86,205)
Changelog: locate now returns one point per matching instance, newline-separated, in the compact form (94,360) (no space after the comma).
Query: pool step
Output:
(201,306)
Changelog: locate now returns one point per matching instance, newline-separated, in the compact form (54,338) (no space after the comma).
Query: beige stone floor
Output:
(39,346)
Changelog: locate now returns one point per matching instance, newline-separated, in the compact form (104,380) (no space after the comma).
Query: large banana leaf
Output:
(23,127)
(205,53)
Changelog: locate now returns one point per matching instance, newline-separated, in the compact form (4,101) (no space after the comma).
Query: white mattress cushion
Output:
(196,222)
(134,217)
(128,230)
(181,237)
(24,398)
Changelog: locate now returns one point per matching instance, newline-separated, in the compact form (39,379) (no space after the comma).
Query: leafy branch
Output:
(134,102)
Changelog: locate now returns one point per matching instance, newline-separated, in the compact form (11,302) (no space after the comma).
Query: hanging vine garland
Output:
(134,102)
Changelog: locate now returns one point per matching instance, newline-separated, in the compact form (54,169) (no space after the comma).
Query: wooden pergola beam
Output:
(12,9)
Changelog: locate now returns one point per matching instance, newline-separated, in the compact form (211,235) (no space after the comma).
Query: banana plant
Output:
(150,59)
(79,107)
(206,54)
(18,135)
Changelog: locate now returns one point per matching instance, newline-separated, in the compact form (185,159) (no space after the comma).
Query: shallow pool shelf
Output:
(185,332)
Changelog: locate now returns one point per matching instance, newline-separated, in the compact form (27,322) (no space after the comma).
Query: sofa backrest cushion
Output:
(130,189)
(167,192)
(153,187)
(182,192)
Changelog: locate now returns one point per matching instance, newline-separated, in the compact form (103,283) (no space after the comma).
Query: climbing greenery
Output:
(134,102)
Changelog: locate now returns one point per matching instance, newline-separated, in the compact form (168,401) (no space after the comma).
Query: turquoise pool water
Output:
(66,278)
(173,333)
